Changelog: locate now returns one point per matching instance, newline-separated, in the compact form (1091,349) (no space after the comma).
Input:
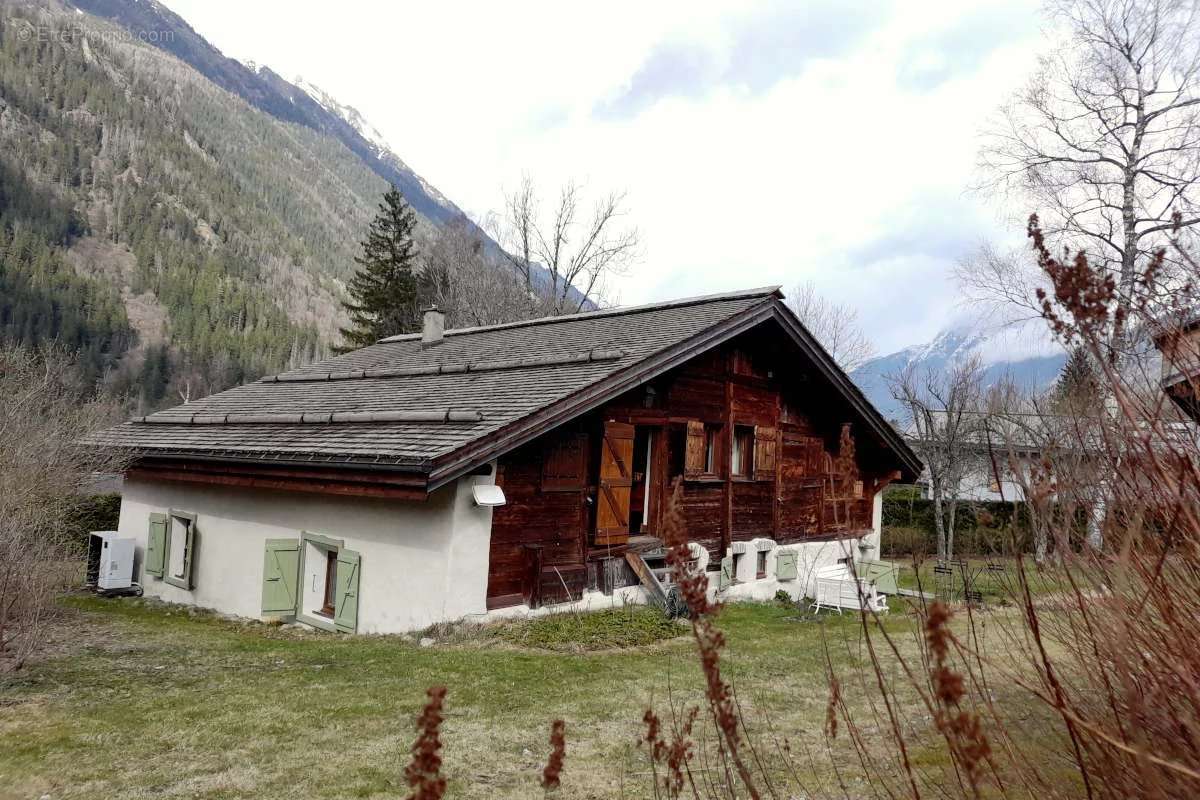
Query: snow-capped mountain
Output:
(346,112)
(1021,351)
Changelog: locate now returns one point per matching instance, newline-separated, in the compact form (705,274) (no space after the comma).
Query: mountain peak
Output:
(349,113)
(1021,350)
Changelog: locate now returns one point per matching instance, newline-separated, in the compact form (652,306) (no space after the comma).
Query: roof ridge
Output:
(441,415)
(451,368)
(763,291)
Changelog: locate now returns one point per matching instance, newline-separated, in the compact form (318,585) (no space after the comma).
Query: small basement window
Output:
(760,570)
(737,565)
(743,451)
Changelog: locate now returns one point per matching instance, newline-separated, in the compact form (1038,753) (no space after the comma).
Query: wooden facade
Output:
(764,446)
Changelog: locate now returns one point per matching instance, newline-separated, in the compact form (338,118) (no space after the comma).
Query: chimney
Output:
(433,326)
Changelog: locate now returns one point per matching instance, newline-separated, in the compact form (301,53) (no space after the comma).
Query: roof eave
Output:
(419,467)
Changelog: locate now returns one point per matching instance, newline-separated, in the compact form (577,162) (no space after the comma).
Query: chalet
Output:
(462,473)
(1178,340)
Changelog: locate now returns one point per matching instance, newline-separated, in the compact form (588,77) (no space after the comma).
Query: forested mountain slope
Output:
(267,91)
(172,198)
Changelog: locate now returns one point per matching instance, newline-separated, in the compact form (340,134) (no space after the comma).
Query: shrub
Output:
(984,527)
(44,410)
(906,541)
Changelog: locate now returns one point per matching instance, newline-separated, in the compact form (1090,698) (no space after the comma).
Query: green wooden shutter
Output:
(726,572)
(785,566)
(281,578)
(345,612)
(156,545)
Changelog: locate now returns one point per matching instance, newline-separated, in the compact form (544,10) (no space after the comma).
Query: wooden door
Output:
(616,481)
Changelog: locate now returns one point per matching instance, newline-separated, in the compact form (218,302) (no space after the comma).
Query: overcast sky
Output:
(759,143)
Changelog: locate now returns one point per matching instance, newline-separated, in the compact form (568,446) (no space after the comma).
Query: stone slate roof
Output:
(436,404)
(500,395)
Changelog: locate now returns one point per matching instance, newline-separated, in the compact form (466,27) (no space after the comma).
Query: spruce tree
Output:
(1077,389)
(384,291)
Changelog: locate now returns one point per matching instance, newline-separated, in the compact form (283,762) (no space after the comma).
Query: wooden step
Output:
(649,579)
(644,543)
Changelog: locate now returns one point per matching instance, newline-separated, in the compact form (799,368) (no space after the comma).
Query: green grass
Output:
(630,626)
(141,700)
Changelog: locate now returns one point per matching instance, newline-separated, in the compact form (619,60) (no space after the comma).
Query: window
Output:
(704,451)
(179,546)
(737,565)
(760,571)
(564,464)
(711,445)
(327,595)
(327,607)
(743,451)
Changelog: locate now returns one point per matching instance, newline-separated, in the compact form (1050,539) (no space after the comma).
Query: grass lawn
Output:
(998,586)
(139,700)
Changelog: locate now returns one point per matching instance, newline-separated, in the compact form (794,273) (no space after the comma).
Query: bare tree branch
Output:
(835,326)
(467,280)
(580,255)
(943,418)
(44,469)
(1104,141)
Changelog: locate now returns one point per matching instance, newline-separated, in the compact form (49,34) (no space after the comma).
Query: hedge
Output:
(97,512)
(980,527)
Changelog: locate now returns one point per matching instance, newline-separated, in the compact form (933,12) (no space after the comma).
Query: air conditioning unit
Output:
(110,563)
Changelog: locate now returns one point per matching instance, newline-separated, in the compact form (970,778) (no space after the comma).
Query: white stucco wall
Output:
(979,484)
(875,538)
(422,562)
(809,556)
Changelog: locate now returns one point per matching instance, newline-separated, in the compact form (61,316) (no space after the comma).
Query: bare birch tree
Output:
(580,251)
(1103,143)
(43,468)
(834,325)
(944,427)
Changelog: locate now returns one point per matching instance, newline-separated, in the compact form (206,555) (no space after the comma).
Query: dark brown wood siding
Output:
(817,481)
(538,513)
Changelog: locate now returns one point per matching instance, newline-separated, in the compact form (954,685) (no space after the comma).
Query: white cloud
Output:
(847,167)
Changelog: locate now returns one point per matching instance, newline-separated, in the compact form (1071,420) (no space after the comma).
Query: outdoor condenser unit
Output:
(110,562)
